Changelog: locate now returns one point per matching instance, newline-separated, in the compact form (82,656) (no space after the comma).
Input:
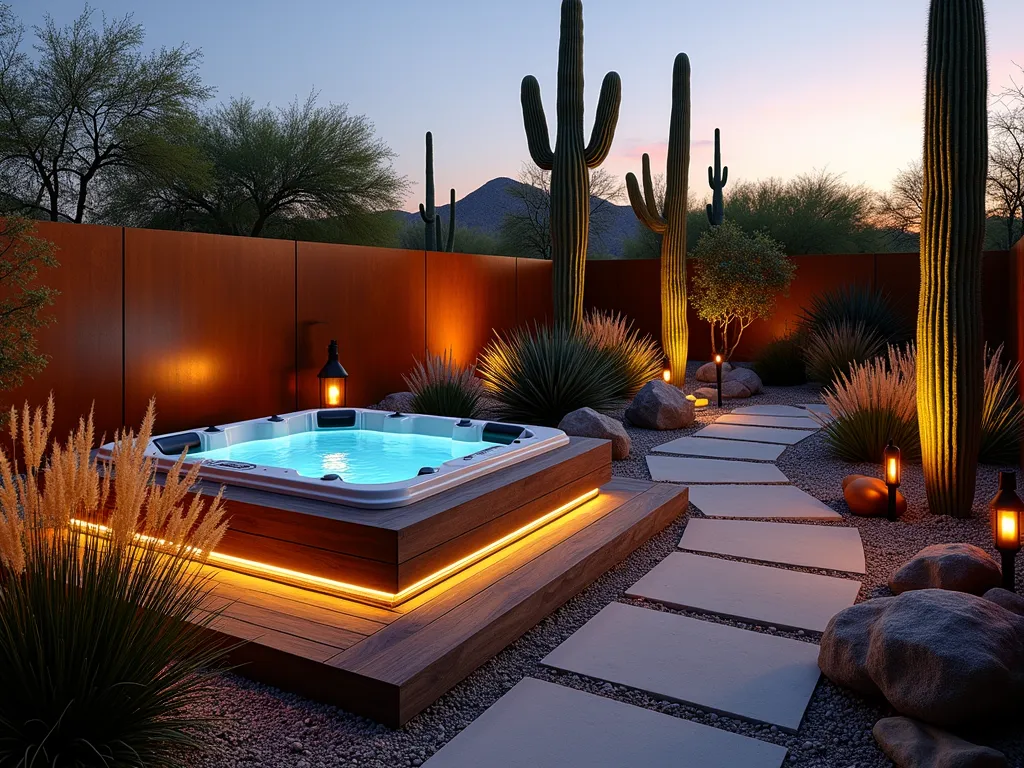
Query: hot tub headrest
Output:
(501,433)
(173,445)
(336,418)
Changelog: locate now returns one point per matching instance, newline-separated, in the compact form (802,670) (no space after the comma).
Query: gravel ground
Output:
(263,726)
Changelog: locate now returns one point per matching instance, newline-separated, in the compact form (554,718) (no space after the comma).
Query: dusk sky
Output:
(793,84)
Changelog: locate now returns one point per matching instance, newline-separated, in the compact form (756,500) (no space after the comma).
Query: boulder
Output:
(1011,601)
(397,401)
(869,496)
(708,375)
(731,390)
(660,406)
(946,658)
(960,567)
(586,422)
(910,744)
(744,376)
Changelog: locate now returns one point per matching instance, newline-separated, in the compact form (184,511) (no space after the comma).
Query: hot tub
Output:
(353,456)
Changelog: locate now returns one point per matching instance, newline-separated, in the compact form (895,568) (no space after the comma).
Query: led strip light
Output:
(355,591)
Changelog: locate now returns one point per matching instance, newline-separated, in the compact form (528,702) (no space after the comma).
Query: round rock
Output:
(946,658)
(398,402)
(960,567)
(708,375)
(910,744)
(869,496)
(1011,601)
(586,422)
(660,406)
(744,376)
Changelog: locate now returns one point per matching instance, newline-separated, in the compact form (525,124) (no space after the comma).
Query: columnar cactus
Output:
(570,160)
(950,368)
(717,178)
(431,221)
(671,223)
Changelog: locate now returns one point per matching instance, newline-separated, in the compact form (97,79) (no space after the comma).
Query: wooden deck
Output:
(391,663)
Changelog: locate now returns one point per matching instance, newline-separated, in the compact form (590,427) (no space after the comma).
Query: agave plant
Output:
(442,387)
(102,653)
(540,375)
(855,304)
(873,403)
(1002,416)
(637,357)
(832,349)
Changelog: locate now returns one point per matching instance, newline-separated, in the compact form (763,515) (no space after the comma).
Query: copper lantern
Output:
(332,379)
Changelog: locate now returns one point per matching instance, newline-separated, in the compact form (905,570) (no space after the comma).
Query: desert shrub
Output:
(876,401)
(781,363)
(540,375)
(103,658)
(442,387)
(1002,416)
(637,357)
(736,279)
(831,350)
(854,305)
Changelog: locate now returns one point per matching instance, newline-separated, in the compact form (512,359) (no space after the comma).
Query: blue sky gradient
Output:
(793,84)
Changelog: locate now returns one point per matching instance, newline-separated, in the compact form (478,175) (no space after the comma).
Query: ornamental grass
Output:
(442,387)
(637,357)
(103,640)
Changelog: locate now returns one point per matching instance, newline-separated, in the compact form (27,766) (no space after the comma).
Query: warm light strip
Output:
(345,589)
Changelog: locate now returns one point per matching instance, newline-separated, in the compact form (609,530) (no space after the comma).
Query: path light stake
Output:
(891,459)
(332,379)
(718,375)
(1006,512)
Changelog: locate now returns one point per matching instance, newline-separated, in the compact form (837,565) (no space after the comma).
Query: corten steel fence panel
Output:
(84,344)
(533,292)
(372,300)
(468,297)
(209,327)
(629,286)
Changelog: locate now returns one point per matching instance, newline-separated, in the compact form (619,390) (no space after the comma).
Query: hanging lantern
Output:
(332,379)
(1006,509)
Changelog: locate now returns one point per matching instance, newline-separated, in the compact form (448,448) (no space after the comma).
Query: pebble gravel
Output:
(263,726)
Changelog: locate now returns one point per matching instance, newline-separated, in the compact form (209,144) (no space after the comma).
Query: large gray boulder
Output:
(660,406)
(731,390)
(960,567)
(586,422)
(1011,601)
(910,744)
(943,657)
(397,401)
(746,377)
(707,374)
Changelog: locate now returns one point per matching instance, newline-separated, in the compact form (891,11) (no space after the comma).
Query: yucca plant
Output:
(102,646)
(832,349)
(873,403)
(637,357)
(442,387)
(1002,416)
(540,375)
(855,304)
(781,362)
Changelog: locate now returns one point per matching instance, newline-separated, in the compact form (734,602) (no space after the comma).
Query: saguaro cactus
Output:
(431,221)
(717,178)
(950,368)
(671,223)
(570,160)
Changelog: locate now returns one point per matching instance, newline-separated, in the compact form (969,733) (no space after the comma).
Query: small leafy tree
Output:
(736,280)
(22,300)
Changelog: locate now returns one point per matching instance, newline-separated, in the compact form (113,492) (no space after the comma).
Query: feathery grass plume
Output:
(637,357)
(834,348)
(876,401)
(1002,418)
(103,638)
(442,387)
(540,375)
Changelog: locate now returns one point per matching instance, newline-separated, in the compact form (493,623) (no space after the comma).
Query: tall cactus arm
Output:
(644,204)
(450,246)
(725,174)
(537,136)
(423,215)
(711,177)
(711,213)
(652,201)
(605,121)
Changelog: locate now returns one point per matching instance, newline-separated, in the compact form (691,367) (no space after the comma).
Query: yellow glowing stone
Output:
(691,398)
(700,402)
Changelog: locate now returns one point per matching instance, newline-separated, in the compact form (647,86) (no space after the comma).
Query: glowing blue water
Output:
(358,456)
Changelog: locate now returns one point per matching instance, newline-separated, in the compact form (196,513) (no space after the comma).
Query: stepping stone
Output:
(754,420)
(812,546)
(754,434)
(722,449)
(543,725)
(751,675)
(819,408)
(771,410)
(780,502)
(757,593)
(670,469)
